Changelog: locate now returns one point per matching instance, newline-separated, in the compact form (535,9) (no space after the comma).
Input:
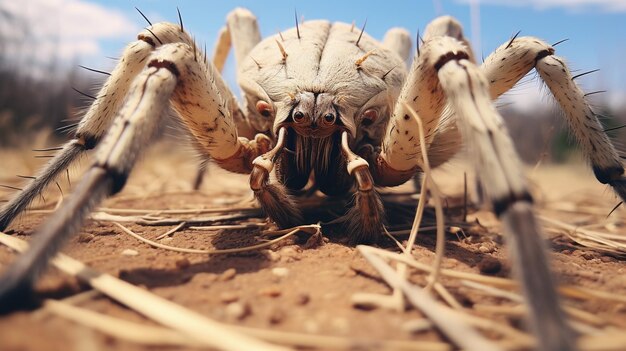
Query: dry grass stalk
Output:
(171,231)
(291,232)
(241,226)
(162,221)
(159,336)
(572,311)
(178,211)
(605,242)
(119,328)
(436,195)
(456,329)
(428,183)
(191,324)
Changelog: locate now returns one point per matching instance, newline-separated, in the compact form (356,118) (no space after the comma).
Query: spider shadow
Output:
(245,262)
(400,212)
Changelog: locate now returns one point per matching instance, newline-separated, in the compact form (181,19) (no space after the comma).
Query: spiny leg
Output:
(242,32)
(99,115)
(116,155)
(463,86)
(173,72)
(398,40)
(512,61)
(499,169)
(400,157)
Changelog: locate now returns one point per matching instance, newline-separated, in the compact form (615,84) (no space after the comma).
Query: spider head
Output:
(315,115)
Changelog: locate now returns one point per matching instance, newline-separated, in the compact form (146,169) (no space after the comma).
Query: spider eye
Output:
(298,117)
(264,108)
(329,118)
(369,117)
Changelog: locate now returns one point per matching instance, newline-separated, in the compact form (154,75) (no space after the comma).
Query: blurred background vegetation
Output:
(51,100)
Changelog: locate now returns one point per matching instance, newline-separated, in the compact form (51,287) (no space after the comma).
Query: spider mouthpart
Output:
(329,119)
(264,108)
(369,116)
(298,117)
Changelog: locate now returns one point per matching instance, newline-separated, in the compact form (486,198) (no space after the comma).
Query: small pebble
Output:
(280,271)
(489,265)
(237,310)
(272,255)
(228,297)
(271,291)
(277,316)
(182,262)
(588,255)
(303,299)
(130,252)
(485,249)
(228,274)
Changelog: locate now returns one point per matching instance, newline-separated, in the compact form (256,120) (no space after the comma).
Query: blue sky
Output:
(596,28)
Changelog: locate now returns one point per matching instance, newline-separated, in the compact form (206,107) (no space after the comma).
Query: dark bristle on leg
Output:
(61,161)
(364,221)
(279,205)
(620,187)
(613,176)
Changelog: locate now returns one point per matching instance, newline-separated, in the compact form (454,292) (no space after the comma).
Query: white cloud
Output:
(574,5)
(65,30)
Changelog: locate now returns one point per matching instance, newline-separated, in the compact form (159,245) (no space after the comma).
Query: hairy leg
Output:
(513,60)
(173,72)
(100,114)
(499,169)
(447,75)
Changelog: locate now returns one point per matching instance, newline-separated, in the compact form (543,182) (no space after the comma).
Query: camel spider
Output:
(325,101)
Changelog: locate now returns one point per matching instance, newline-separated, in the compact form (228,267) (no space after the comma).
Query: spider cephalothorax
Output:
(325,102)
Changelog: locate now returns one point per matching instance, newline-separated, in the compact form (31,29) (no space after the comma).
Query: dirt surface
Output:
(293,287)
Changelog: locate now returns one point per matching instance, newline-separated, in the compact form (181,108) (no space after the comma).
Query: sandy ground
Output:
(291,287)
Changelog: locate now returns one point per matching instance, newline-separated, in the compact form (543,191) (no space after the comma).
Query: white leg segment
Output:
(499,169)
(221,49)
(483,131)
(444,74)
(422,93)
(399,40)
(99,115)
(512,61)
(109,100)
(581,119)
(244,32)
(204,104)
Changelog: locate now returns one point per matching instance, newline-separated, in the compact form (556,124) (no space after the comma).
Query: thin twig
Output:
(171,231)
(218,252)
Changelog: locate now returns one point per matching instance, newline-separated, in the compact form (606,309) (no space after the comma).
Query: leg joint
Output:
(147,39)
(608,175)
(501,204)
(449,56)
(170,66)
(88,141)
(543,54)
